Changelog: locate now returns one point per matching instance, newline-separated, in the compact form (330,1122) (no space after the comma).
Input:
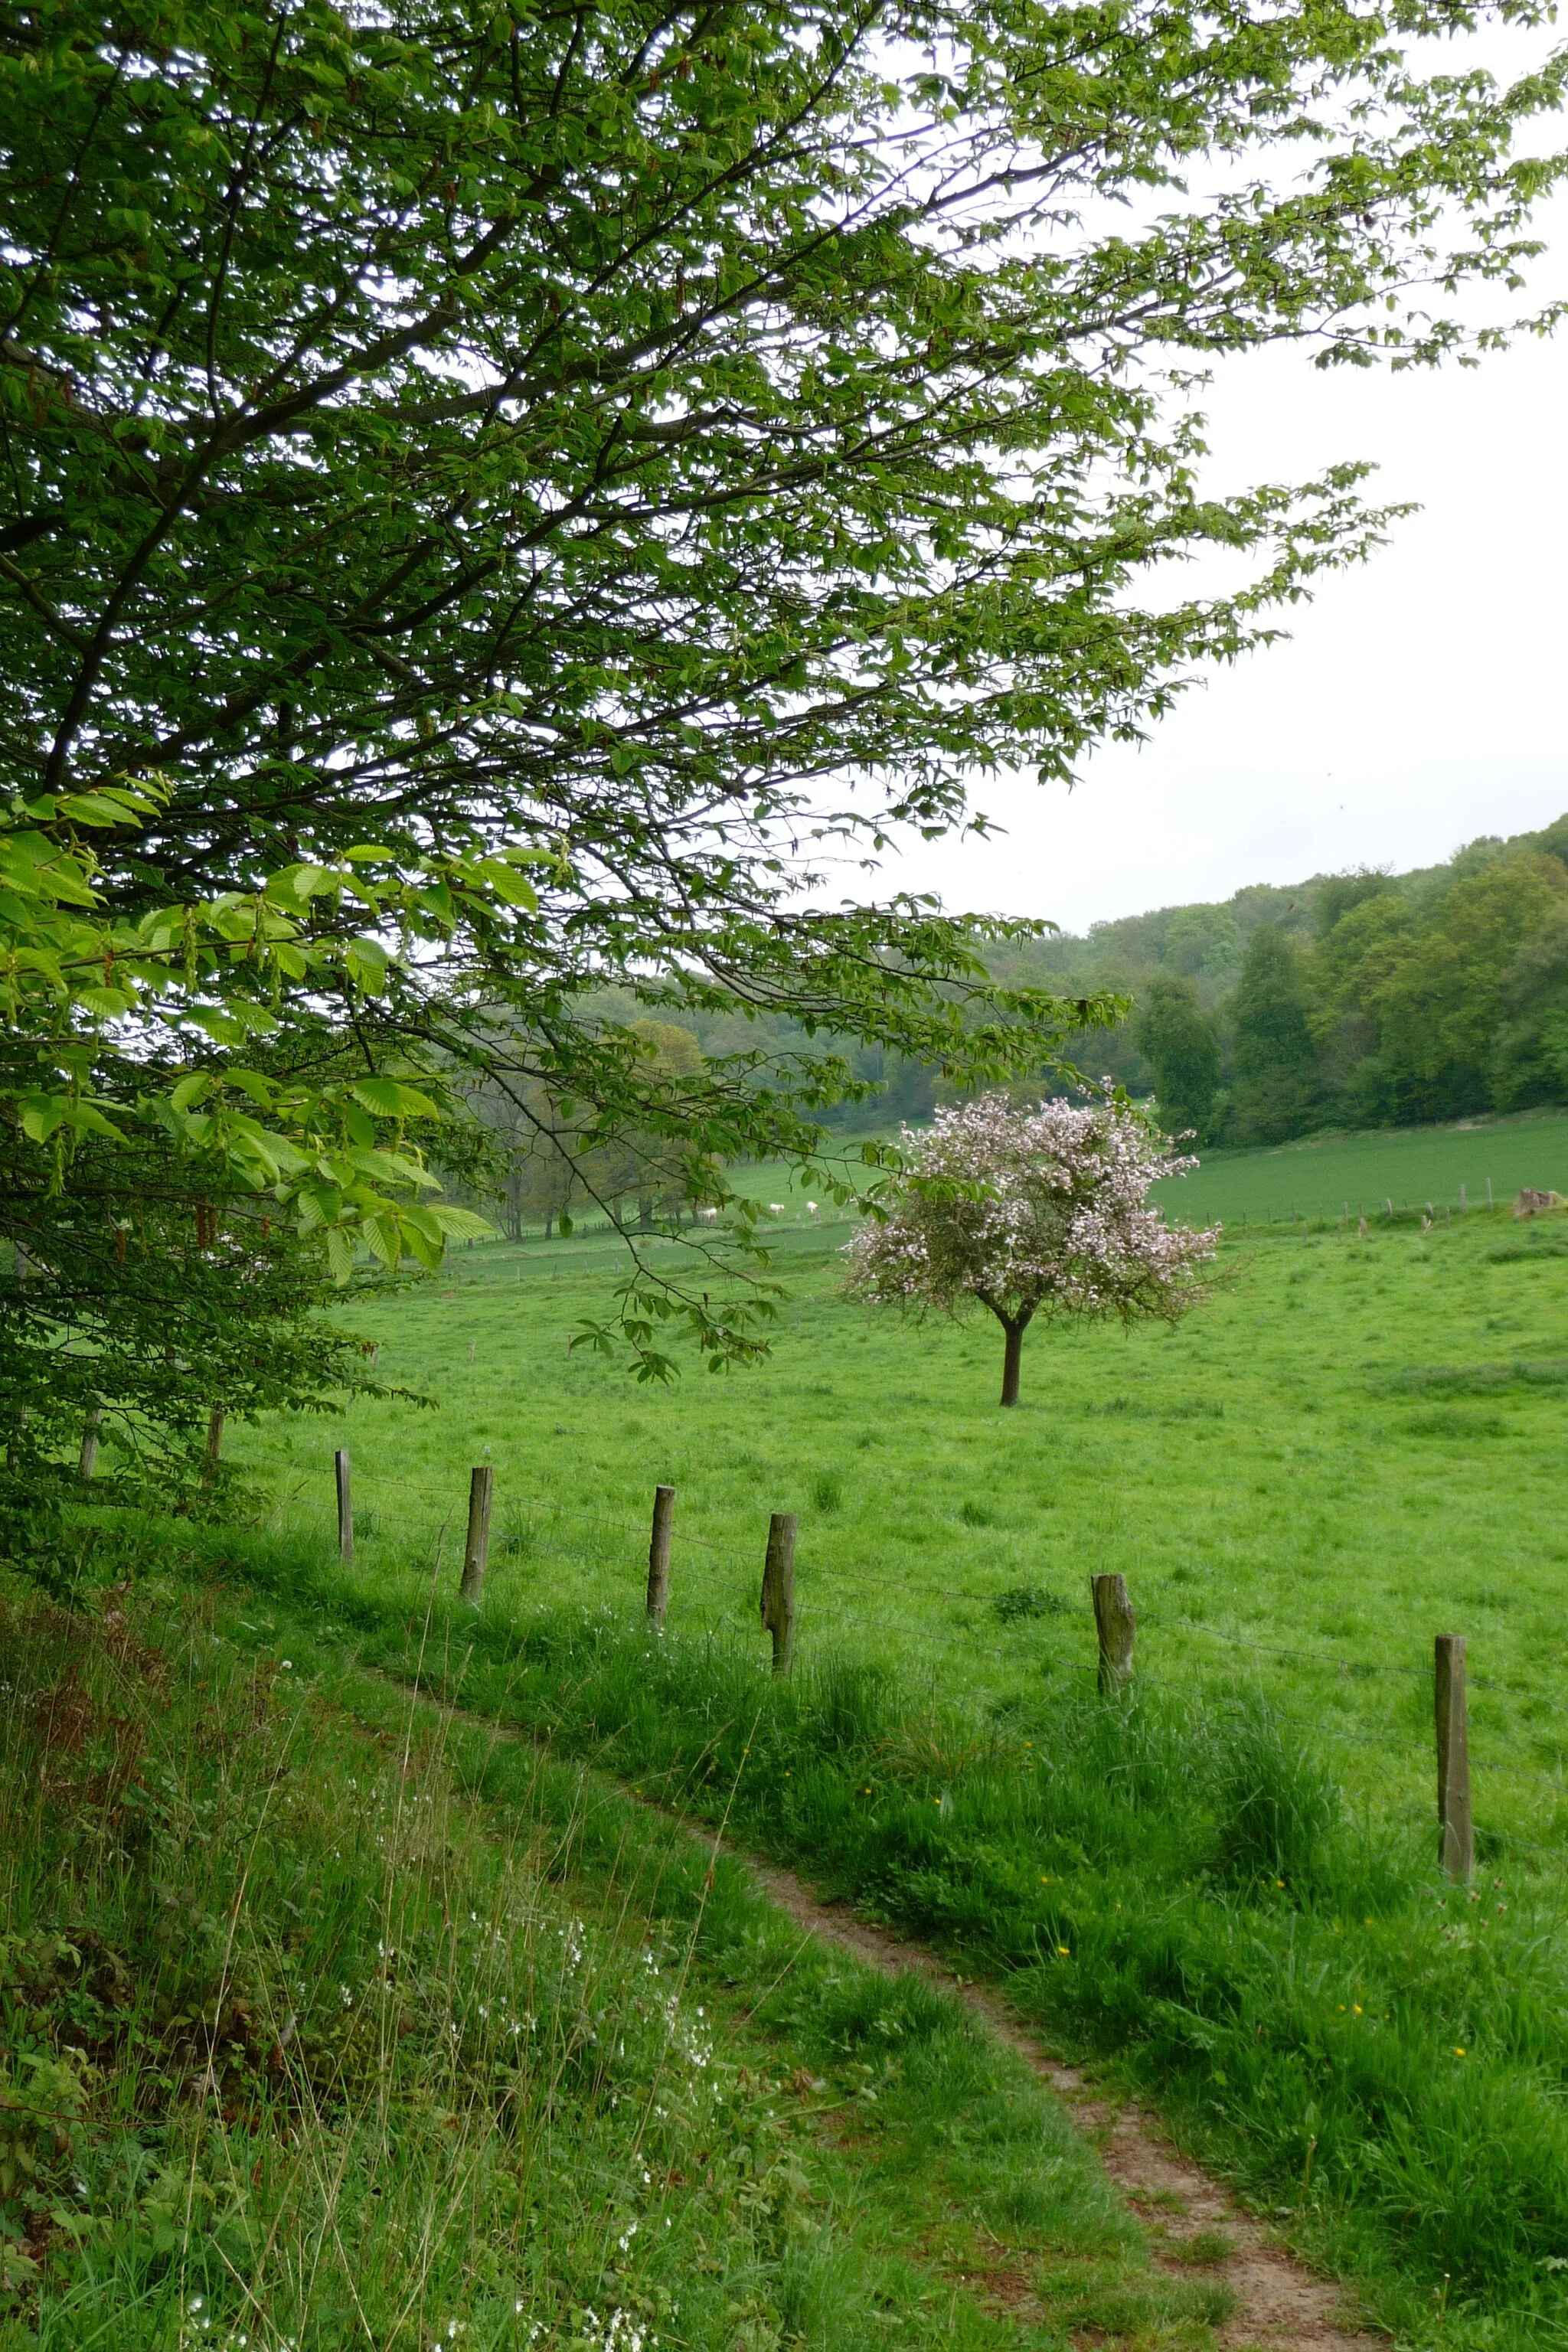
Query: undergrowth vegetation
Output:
(1222,1887)
(1180,1889)
(328,2022)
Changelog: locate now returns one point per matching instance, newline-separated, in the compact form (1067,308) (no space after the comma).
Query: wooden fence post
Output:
(343,1474)
(778,1588)
(476,1551)
(1116,1624)
(214,1433)
(659,1553)
(89,1462)
(1455,1826)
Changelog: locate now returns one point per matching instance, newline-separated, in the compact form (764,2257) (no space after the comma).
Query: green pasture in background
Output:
(1320,1176)
(1355,1445)
(1317,1178)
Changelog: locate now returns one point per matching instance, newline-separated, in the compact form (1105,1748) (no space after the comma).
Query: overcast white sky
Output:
(1420,700)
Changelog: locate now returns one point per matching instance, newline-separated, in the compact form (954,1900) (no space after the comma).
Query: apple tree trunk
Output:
(1014,1327)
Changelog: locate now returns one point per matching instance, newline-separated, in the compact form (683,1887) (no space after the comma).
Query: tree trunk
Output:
(1013,1360)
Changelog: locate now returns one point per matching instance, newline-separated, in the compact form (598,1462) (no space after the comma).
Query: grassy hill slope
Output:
(329,2022)
(1227,1889)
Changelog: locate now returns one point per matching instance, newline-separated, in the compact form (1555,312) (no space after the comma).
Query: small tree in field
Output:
(1032,1212)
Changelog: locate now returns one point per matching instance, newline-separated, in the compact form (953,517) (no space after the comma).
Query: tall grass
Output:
(1180,1889)
(326,2031)
(293,2051)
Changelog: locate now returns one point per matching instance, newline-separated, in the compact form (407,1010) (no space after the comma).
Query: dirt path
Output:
(1280,2305)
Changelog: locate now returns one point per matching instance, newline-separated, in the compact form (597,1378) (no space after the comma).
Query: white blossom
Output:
(1032,1212)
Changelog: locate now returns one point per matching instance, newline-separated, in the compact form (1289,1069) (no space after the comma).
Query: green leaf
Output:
(366,962)
(460,1224)
(340,1253)
(391,1098)
(42,1114)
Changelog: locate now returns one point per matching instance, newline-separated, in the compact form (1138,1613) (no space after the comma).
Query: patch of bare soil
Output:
(1195,2226)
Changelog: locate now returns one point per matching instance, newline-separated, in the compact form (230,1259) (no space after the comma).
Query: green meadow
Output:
(1220,1888)
(1352,1446)
(1451,1168)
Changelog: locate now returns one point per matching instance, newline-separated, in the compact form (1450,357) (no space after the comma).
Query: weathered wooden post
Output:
(1116,1624)
(214,1433)
(343,1474)
(476,1550)
(87,1464)
(1455,1826)
(778,1588)
(659,1553)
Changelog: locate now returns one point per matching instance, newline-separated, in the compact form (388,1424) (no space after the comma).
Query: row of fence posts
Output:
(1388,1207)
(777,1603)
(1115,1625)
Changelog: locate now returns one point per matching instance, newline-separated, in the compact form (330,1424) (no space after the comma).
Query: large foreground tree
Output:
(493,496)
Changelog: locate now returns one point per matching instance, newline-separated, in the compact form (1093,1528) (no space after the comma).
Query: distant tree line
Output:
(544,1163)
(547,1164)
(1363,999)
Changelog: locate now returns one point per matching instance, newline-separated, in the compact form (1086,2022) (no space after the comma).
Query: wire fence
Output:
(714,1592)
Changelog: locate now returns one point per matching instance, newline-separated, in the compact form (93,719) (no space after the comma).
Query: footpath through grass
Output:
(1227,1887)
(328,2024)
(1181,1893)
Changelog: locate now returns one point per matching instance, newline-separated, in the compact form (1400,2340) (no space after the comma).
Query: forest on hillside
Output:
(1363,999)
(1356,1000)
(1353,1000)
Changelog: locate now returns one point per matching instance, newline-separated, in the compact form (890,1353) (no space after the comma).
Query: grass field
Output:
(1325,1176)
(1322,1177)
(1353,1447)
(1224,1888)
(331,2023)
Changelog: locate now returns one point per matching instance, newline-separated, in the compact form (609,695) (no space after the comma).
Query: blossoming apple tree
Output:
(1033,1212)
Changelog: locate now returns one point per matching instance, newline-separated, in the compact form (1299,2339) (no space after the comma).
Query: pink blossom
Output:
(1032,1212)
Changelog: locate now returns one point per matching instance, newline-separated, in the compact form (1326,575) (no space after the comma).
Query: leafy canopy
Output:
(503,495)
